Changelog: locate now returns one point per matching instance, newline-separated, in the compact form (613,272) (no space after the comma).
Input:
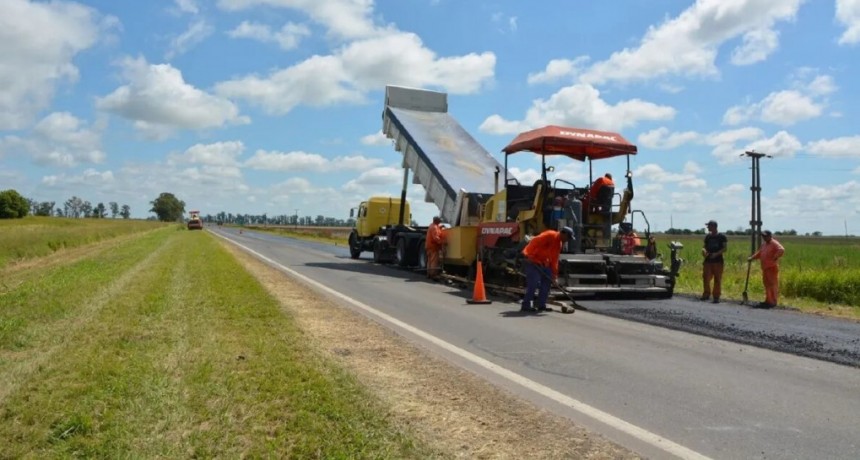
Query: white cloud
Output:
(655,173)
(580,105)
(38,44)
(287,38)
(786,107)
(402,58)
(344,19)
(89,177)
(848,14)
(196,33)
(688,44)
(662,139)
(757,46)
(376,139)
(371,181)
(158,100)
(187,6)
(781,144)
(370,58)
(558,69)
(840,147)
(724,143)
(303,161)
(218,154)
(59,139)
(809,206)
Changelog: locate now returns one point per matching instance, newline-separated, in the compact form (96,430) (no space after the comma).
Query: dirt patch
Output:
(452,409)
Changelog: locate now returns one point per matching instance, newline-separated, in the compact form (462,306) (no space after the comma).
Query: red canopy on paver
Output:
(577,143)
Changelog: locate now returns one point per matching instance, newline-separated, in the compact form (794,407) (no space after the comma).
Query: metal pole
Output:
(401,217)
(755,209)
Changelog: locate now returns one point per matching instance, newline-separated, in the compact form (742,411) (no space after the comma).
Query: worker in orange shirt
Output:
(603,181)
(541,266)
(434,244)
(769,254)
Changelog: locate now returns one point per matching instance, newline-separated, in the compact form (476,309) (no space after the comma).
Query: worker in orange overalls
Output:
(629,238)
(434,244)
(769,254)
(599,183)
(541,266)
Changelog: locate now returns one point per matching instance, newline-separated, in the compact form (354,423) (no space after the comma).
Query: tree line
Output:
(281,219)
(14,205)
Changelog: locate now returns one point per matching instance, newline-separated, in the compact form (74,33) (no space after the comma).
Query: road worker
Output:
(769,254)
(599,183)
(712,267)
(541,266)
(434,244)
(629,238)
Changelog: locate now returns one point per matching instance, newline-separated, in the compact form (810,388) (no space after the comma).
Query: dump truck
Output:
(382,226)
(194,221)
(492,215)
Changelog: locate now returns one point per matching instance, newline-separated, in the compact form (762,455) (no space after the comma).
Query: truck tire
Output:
(354,246)
(422,255)
(402,254)
(377,253)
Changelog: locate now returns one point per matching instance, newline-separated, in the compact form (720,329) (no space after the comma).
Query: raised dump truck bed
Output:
(444,158)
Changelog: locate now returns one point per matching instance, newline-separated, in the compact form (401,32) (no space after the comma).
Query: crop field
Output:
(154,342)
(817,274)
(33,236)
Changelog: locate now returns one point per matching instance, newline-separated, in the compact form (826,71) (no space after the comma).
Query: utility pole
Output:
(297,219)
(755,209)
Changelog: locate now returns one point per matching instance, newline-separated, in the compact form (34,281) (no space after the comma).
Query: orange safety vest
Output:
(543,250)
(435,237)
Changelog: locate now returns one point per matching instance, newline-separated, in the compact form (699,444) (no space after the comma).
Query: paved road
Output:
(647,384)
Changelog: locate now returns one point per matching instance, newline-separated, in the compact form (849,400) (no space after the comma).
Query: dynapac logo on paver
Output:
(588,135)
(506,231)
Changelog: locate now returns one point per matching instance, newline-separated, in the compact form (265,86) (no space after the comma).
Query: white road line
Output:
(641,434)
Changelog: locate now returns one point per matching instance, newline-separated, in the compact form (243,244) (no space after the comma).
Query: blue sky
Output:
(273,106)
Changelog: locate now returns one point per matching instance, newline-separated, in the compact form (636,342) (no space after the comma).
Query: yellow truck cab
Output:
(383,226)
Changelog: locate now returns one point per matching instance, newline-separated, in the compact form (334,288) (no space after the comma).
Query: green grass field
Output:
(159,344)
(33,236)
(817,274)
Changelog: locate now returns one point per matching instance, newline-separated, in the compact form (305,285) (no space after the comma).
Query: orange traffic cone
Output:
(478,295)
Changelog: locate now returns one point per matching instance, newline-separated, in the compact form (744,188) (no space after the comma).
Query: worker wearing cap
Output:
(434,244)
(712,267)
(541,266)
(769,254)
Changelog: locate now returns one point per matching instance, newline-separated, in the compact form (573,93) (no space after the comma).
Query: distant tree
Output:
(59,212)
(126,212)
(168,208)
(13,205)
(114,209)
(73,207)
(99,212)
(45,208)
(86,209)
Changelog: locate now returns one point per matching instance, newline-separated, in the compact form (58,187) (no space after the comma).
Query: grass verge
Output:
(165,347)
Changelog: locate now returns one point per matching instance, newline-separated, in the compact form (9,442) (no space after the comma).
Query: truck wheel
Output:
(422,255)
(354,246)
(377,252)
(401,256)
